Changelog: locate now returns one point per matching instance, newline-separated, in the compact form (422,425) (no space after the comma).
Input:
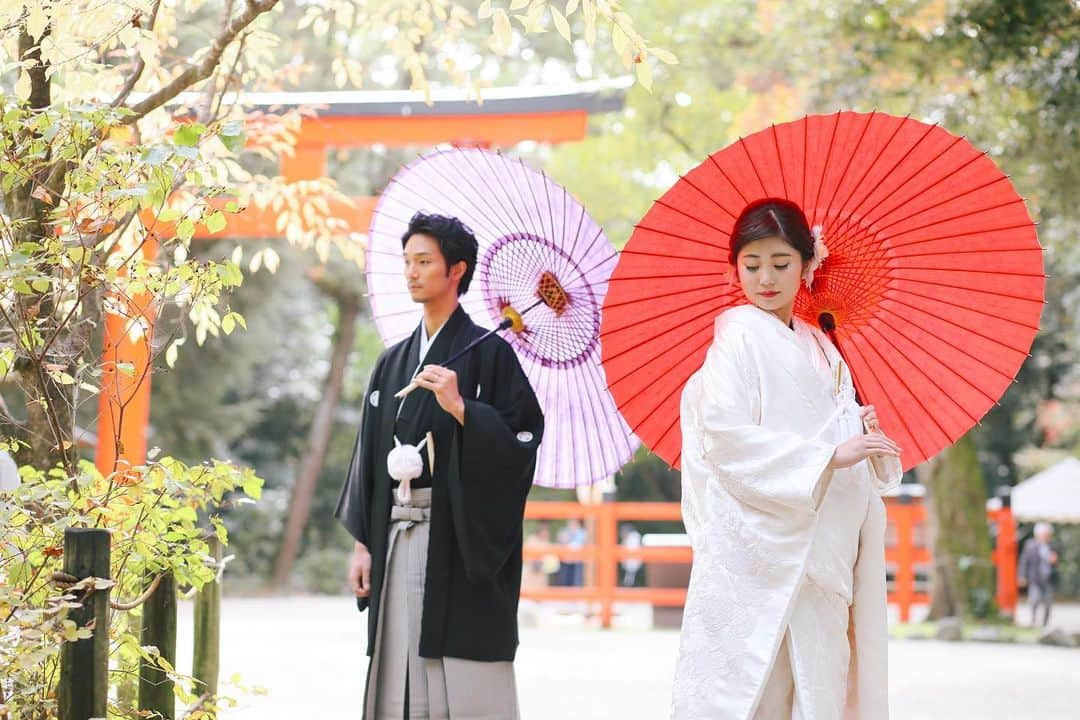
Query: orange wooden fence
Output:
(906,554)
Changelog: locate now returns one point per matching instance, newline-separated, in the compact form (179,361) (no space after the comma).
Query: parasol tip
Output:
(827,322)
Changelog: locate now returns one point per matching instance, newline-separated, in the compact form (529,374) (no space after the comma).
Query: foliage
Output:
(963,574)
(154,518)
(121,139)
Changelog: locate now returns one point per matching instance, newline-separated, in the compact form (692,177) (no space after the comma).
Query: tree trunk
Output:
(318,440)
(962,577)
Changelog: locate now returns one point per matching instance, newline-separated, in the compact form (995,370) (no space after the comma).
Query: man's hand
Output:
(360,571)
(443,382)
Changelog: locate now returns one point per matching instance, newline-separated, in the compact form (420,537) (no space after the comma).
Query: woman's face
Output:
(770,271)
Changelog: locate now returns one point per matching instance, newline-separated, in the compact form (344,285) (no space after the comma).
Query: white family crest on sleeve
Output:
(374,398)
(524,436)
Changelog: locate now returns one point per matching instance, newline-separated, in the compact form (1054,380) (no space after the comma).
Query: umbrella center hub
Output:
(529,276)
(552,293)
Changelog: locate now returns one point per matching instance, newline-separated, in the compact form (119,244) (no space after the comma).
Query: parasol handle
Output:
(506,323)
(828,323)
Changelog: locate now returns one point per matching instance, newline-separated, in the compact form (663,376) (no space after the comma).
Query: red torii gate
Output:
(347,119)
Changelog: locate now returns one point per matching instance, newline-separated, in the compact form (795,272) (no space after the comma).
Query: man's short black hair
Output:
(456,242)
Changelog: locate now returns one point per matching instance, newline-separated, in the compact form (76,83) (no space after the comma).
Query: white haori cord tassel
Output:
(405,464)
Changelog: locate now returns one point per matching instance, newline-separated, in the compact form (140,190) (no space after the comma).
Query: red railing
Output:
(905,553)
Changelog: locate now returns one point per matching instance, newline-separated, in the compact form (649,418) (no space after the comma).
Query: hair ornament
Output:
(821,251)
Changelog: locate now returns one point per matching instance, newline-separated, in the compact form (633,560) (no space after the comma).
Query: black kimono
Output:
(483,472)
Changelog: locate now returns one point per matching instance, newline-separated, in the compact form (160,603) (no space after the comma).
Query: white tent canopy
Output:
(1052,495)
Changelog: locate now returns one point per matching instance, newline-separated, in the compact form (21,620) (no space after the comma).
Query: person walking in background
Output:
(1036,571)
(631,539)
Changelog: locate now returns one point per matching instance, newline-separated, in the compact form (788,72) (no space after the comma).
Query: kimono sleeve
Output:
(868,692)
(496,452)
(765,468)
(354,505)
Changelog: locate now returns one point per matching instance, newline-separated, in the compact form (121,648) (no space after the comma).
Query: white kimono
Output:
(782,545)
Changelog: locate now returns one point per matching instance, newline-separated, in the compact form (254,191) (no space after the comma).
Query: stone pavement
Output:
(307,652)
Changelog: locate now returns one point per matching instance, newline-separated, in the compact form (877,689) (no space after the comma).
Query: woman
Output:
(786,615)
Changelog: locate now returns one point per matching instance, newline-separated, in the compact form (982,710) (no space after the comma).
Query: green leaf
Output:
(253,487)
(185,229)
(22,287)
(169,214)
(188,134)
(232,136)
(79,255)
(215,222)
(40,285)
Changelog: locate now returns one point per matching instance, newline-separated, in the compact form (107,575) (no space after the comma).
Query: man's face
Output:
(426,272)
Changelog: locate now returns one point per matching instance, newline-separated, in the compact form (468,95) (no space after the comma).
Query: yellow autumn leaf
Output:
(664,56)
(560,23)
(644,75)
(23,86)
(504,34)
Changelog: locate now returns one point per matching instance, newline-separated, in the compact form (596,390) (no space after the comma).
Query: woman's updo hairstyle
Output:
(772,217)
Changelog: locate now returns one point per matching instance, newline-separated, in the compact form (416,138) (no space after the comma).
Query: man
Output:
(1036,570)
(438,562)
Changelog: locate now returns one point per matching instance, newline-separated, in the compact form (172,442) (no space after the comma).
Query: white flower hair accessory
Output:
(821,251)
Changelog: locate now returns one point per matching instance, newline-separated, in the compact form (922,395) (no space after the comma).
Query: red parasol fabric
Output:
(934,278)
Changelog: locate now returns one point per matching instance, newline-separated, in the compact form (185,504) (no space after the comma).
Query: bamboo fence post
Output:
(84,664)
(159,629)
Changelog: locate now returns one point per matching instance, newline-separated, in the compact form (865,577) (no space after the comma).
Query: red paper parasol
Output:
(934,277)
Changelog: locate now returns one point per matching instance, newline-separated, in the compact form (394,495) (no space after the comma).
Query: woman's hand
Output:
(869,418)
(859,448)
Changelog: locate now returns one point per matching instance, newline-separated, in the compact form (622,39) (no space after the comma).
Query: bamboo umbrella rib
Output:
(646,415)
(734,186)
(674,208)
(947,253)
(923,370)
(653,298)
(711,198)
(693,323)
(851,158)
(779,160)
(976,271)
(663,313)
(753,166)
(965,233)
(984,336)
(887,398)
(949,173)
(843,212)
(828,159)
(625,278)
(953,346)
(945,202)
(885,359)
(991,293)
(672,256)
(685,238)
(870,211)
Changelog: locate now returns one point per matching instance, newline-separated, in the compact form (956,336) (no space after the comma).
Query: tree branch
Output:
(140,64)
(205,68)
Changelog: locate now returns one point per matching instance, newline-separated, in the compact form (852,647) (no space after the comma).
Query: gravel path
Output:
(307,653)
